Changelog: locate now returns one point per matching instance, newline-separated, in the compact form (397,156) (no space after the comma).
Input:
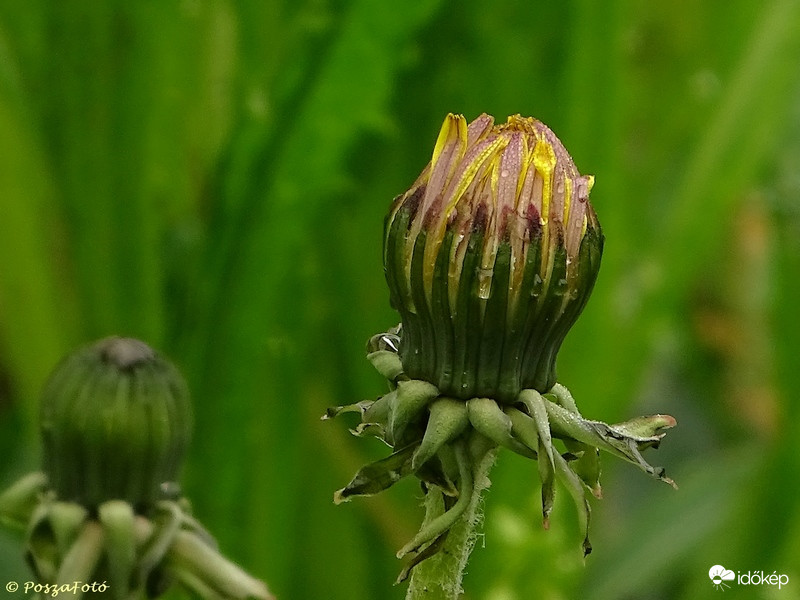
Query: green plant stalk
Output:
(439,577)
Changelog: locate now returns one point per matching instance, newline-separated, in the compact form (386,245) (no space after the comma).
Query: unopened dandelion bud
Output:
(490,258)
(107,508)
(115,423)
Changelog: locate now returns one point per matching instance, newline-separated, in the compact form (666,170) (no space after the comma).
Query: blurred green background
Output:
(212,177)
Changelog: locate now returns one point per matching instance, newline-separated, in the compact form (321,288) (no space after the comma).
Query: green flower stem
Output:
(439,577)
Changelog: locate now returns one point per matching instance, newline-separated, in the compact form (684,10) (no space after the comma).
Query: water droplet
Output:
(384,341)
(504,173)
(536,289)
(170,490)
(560,288)
(484,283)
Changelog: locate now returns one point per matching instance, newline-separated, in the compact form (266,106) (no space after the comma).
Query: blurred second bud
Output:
(115,422)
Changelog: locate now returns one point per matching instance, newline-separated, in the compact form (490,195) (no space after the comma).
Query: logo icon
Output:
(719,575)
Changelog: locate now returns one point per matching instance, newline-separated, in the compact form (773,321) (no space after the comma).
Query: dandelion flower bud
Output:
(115,423)
(490,258)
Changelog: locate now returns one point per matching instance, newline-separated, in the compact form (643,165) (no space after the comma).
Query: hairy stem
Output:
(439,577)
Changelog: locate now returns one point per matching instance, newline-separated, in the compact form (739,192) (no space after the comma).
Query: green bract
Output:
(115,422)
(490,257)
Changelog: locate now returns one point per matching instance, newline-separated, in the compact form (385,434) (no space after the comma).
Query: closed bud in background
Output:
(490,258)
(115,423)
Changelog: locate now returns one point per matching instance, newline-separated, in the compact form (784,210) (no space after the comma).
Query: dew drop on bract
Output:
(536,288)
(484,283)
(560,287)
